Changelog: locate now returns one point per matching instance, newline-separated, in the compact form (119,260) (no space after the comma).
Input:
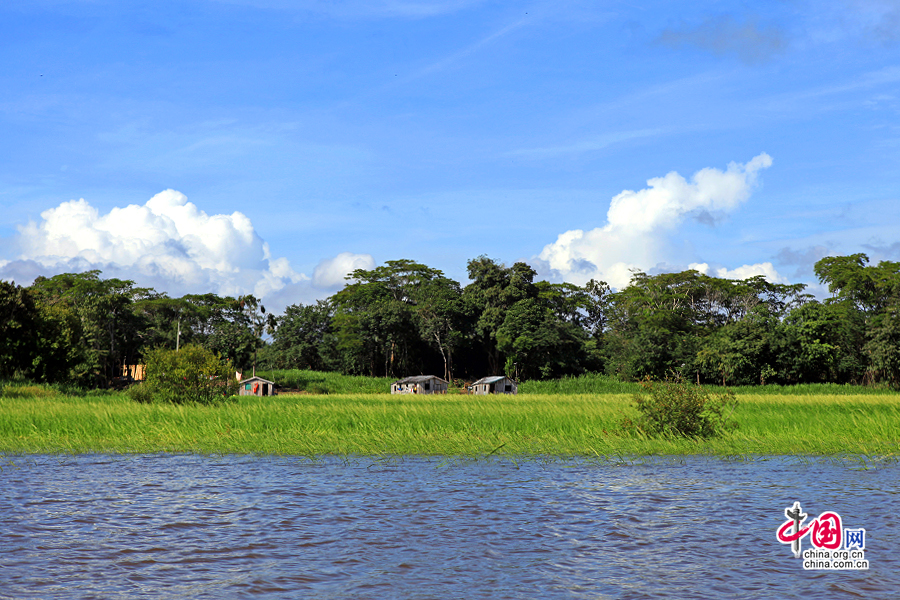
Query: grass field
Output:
(40,420)
(335,383)
(319,382)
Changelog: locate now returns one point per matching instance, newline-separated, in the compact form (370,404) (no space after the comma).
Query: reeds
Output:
(320,382)
(445,425)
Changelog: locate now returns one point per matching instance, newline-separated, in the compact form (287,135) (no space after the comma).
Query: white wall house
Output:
(420,384)
(498,384)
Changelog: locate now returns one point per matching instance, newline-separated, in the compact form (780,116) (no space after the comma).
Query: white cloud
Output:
(639,223)
(330,273)
(167,243)
(765,269)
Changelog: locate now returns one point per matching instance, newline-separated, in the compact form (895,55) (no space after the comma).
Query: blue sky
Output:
(284,142)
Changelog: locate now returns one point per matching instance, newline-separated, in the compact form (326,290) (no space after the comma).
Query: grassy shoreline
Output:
(579,425)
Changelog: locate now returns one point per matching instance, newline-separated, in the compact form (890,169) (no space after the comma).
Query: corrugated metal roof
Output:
(256,378)
(492,379)
(419,379)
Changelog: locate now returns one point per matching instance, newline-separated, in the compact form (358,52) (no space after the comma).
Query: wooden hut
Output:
(256,386)
(420,384)
(497,384)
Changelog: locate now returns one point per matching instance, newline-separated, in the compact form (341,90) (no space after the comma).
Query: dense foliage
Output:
(406,318)
(191,374)
(674,407)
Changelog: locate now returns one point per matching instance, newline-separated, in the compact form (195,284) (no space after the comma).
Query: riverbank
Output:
(378,424)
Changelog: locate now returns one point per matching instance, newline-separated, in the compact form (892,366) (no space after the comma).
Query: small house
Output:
(420,384)
(256,386)
(497,384)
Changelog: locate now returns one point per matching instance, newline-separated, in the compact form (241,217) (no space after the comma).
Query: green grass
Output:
(446,425)
(591,383)
(319,382)
(594,383)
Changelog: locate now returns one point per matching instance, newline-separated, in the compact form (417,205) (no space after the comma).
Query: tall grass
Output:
(27,389)
(595,383)
(447,425)
(591,383)
(320,382)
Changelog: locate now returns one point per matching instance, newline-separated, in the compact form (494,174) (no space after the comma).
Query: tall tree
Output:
(300,336)
(495,288)
(869,294)
(108,325)
(386,317)
(19,330)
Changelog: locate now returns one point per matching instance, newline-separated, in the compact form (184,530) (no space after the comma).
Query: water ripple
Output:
(175,526)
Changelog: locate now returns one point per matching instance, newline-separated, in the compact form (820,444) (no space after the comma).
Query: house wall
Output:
(264,389)
(498,387)
(435,387)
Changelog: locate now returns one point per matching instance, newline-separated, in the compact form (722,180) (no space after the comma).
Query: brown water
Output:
(185,526)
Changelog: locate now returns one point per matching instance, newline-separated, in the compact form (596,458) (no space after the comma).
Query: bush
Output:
(674,407)
(141,392)
(191,374)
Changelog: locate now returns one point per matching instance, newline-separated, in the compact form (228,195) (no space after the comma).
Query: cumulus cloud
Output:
(167,243)
(331,273)
(639,223)
(745,272)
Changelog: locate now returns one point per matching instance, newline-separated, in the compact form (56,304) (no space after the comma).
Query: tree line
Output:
(406,318)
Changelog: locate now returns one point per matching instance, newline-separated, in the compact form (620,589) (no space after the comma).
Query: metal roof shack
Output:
(256,386)
(496,384)
(420,384)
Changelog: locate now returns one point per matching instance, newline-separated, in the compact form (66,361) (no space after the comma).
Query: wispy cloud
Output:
(590,145)
(470,49)
(722,35)
(355,9)
(803,99)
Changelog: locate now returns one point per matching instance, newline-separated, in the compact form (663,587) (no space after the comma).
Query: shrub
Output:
(141,392)
(317,388)
(674,407)
(191,374)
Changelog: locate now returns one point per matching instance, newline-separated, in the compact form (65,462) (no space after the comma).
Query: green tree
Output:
(740,352)
(379,317)
(442,317)
(190,374)
(653,325)
(301,335)
(108,327)
(495,288)
(867,295)
(235,328)
(540,344)
(19,330)
(883,345)
(820,342)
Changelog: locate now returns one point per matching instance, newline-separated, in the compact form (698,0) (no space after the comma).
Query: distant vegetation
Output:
(405,318)
(321,382)
(190,374)
(41,419)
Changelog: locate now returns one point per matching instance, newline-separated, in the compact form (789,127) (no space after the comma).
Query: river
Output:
(189,526)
